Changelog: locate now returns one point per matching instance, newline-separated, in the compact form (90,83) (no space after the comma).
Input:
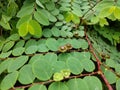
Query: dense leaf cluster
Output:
(45,45)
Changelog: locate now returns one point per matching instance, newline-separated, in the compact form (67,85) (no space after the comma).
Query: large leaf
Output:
(58,86)
(17,63)
(78,84)
(25,75)
(9,81)
(42,70)
(38,87)
(93,83)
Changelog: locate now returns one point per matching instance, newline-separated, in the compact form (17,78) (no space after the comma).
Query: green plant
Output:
(59,45)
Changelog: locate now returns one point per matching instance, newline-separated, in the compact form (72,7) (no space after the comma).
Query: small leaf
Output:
(95,83)
(39,3)
(5,55)
(18,51)
(17,63)
(41,18)
(110,76)
(25,75)
(9,81)
(57,76)
(52,44)
(58,86)
(102,22)
(117,12)
(4,65)
(38,87)
(118,84)
(8,46)
(31,49)
(42,70)
(77,84)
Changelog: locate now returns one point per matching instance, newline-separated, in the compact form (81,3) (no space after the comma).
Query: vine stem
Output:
(98,62)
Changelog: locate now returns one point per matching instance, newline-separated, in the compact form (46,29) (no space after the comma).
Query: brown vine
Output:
(98,62)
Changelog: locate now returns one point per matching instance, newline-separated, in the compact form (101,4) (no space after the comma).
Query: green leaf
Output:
(5,54)
(47,32)
(42,70)
(55,31)
(110,76)
(94,19)
(31,49)
(18,51)
(38,87)
(58,66)
(41,18)
(118,84)
(51,57)
(35,58)
(12,9)
(8,46)
(4,65)
(17,63)
(93,83)
(50,5)
(22,20)
(37,28)
(74,65)
(77,84)
(58,86)
(42,46)
(20,44)
(9,81)
(88,65)
(26,9)
(38,2)
(14,37)
(25,75)
(116,12)
(52,44)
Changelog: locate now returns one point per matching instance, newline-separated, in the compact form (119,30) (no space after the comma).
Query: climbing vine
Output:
(59,45)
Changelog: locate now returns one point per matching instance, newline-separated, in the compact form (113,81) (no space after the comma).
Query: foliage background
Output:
(63,44)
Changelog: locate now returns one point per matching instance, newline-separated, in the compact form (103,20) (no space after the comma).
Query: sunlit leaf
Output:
(116,12)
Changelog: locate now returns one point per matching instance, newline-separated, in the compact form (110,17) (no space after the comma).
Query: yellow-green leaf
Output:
(25,28)
(117,12)
(106,12)
(103,22)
